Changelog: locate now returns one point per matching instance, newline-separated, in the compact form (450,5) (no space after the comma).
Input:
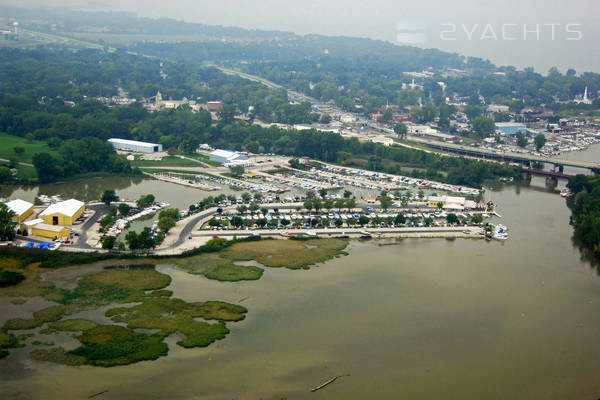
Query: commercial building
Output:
(50,231)
(63,213)
(135,146)
(450,203)
(228,157)
(498,108)
(511,128)
(214,105)
(22,209)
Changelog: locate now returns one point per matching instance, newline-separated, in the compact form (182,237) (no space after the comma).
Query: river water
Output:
(429,318)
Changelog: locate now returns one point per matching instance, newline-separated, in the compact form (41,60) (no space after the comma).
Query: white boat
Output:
(500,232)
(566,192)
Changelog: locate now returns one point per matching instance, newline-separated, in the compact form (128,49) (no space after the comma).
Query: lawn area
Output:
(27,173)
(169,161)
(205,159)
(9,142)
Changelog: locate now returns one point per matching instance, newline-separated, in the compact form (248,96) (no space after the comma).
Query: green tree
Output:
(124,209)
(387,116)
(452,219)
(401,130)
(189,144)
(7,228)
(145,201)
(246,197)
(400,219)
(46,167)
(5,174)
(521,139)
(109,196)
(328,204)
(325,119)
(165,223)
(226,114)
(261,222)
(237,221)
(385,202)
(351,203)
(108,242)
(253,207)
(483,126)
(540,141)
(477,219)
(237,170)
(308,204)
(363,220)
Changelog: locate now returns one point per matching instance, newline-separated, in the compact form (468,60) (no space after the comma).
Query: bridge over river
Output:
(506,156)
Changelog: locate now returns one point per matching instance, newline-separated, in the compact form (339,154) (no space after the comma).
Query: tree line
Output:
(585,210)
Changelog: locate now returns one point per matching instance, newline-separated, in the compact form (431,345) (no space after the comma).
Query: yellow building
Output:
(22,209)
(50,231)
(63,213)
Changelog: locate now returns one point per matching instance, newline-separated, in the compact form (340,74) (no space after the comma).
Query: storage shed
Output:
(135,146)
(22,209)
(50,231)
(63,213)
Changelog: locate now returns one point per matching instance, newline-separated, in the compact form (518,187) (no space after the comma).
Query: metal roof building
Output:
(135,146)
(63,213)
(511,128)
(21,208)
(227,156)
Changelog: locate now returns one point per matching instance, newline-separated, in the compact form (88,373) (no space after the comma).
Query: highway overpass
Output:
(507,156)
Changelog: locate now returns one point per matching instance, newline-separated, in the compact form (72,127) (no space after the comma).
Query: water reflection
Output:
(84,189)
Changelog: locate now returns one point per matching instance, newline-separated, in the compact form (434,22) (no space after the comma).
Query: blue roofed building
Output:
(511,128)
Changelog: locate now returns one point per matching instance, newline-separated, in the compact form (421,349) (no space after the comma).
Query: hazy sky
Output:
(487,29)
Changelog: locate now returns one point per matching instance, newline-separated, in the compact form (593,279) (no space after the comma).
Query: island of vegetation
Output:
(145,312)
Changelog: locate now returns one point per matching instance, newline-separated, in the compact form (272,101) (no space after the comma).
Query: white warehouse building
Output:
(135,146)
(228,157)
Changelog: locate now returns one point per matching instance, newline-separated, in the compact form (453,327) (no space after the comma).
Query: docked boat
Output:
(566,192)
(500,232)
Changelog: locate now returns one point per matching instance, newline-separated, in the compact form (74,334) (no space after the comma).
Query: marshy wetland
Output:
(135,299)
(421,319)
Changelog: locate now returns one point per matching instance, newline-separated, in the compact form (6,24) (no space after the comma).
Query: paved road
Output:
(189,226)
(20,163)
(99,212)
(348,231)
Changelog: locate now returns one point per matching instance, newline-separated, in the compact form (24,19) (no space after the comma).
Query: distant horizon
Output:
(473,36)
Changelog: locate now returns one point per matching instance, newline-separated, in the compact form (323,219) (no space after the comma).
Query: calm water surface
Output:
(424,319)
